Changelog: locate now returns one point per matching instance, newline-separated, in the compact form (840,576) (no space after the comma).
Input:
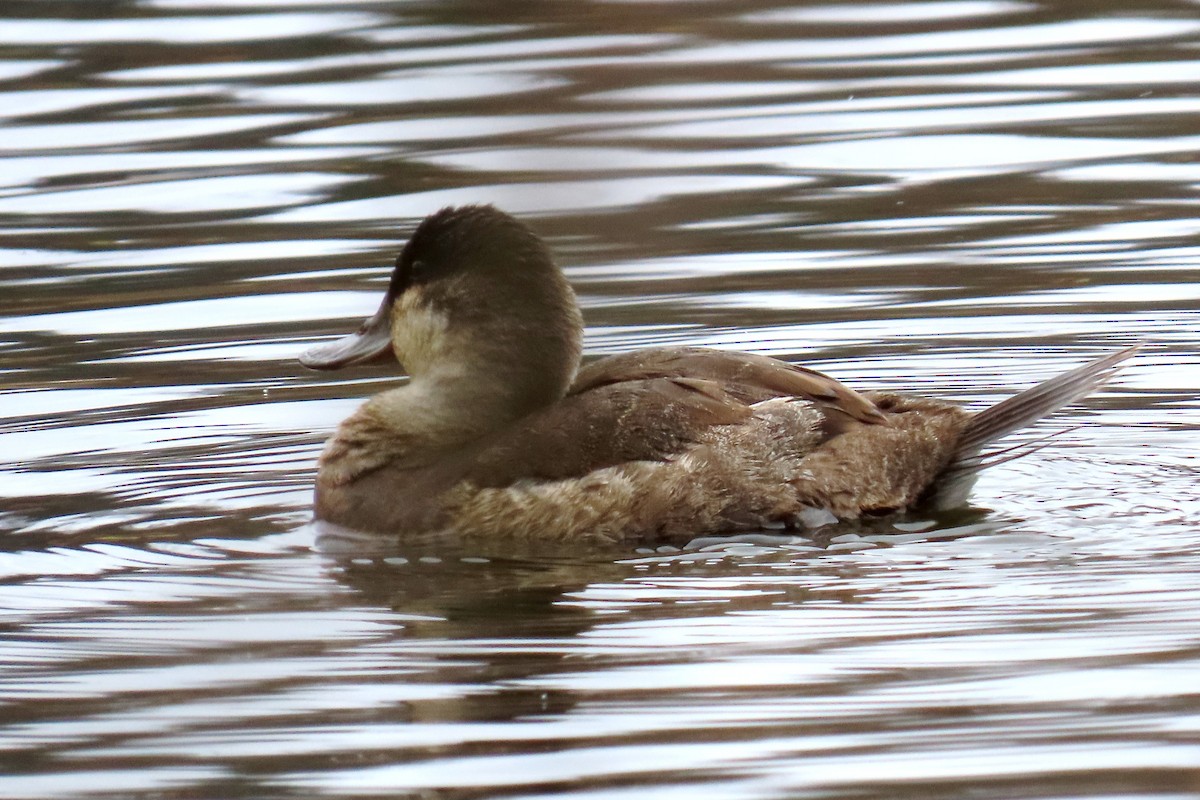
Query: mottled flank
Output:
(874,470)
(498,436)
(773,467)
(735,476)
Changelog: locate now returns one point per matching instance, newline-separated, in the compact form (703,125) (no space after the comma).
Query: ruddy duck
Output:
(499,433)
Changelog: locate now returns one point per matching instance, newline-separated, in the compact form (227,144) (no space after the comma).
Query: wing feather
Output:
(641,420)
(749,377)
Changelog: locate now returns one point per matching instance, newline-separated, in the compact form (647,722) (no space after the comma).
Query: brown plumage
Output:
(492,437)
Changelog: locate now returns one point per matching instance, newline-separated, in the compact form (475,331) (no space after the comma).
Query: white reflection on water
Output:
(406,87)
(29,103)
(196,29)
(257,309)
(226,193)
(1005,41)
(1165,73)
(12,69)
(849,118)
(67,135)
(23,170)
(888,13)
(558,197)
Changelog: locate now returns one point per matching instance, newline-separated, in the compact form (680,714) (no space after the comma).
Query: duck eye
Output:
(417,271)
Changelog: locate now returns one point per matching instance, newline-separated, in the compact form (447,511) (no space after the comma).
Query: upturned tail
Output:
(1015,413)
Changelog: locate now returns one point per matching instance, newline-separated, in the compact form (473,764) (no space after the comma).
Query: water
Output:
(958,198)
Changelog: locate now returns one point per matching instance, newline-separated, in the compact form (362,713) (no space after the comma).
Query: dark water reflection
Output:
(949,197)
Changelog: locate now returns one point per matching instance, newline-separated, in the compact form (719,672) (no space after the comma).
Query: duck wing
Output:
(745,376)
(653,419)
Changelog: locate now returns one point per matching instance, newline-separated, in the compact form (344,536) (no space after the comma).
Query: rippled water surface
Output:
(957,197)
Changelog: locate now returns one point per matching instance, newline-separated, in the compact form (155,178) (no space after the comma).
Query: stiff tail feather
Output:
(1015,413)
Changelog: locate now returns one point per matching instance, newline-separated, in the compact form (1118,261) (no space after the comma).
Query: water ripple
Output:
(956,198)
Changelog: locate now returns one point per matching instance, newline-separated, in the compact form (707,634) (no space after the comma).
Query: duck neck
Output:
(438,412)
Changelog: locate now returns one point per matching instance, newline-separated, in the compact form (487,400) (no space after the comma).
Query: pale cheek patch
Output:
(418,331)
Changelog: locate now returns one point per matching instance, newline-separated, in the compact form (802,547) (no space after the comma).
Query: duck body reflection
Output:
(500,434)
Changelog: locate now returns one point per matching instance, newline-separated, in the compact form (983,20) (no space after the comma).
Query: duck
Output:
(500,434)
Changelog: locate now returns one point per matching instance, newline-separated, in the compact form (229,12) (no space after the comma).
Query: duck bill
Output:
(372,341)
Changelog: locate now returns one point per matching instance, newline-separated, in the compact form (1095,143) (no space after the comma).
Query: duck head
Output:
(475,301)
